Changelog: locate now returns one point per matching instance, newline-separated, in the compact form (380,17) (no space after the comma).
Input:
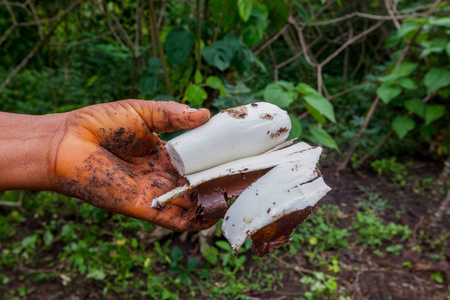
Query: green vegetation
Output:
(373,91)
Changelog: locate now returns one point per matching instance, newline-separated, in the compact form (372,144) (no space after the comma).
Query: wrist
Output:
(28,149)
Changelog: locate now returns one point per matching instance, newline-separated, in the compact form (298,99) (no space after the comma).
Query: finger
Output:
(169,116)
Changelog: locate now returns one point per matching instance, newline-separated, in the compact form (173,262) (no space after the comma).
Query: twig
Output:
(361,15)
(387,4)
(350,41)
(344,92)
(199,35)
(378,146)
(271,40)
(110,25)
(17,204)
(375,103)
(361,130)
(274,62)
(157,42)
(36,19)
(361,58)
(219,24)
(36,47)
(297,269)
(80,42)
(161,13)
(436,218)
(408,46)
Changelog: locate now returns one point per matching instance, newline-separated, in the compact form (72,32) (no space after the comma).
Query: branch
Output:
(350,41)
(37,46)
(271,40)
(124,35)
(157,42)
(375,103)
(361,15)
(390,10)
(199,35)
(36,19)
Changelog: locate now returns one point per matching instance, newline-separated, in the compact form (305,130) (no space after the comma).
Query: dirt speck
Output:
(278,132)
(266,116)
(239,112)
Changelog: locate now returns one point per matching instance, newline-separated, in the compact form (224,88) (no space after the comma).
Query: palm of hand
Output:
(111,158)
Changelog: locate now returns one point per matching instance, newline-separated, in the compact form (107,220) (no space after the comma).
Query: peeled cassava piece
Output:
(230,135)
(241,152)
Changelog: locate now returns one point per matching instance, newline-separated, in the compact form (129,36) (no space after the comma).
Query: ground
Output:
(368,239)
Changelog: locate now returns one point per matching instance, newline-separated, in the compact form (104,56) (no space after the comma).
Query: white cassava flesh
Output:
(287,188)
(300,152)
(232,134)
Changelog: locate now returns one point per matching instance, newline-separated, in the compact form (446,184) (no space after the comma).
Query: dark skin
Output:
(107,155)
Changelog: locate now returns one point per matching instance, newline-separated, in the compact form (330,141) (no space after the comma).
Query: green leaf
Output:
(134,243)
(278,13)
(192,263)
(322,105)
(296,130)
(198,77)
(48,238)
(315,113)
(388,78)
(219,54)
(447,49)
(254,29)
(427,132)
(322,137)
(416,106)
(407,28)
(305,89)
(176,254)
(276,94)
(434,46)
(210,253)
(215,83)
(178,45)
(195,95)
(434,112)
(29,241)
(154,66)
(223,245)
(402,125)
(436,78)
(440,22)
(407,83)
(149,85)
(92,80)
(392,41)
(286,85)
(405,69)
(387,92)
(96,274)
(245,9)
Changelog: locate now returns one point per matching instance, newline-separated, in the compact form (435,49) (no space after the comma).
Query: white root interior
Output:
(285,189)
(230,135)
(300,152)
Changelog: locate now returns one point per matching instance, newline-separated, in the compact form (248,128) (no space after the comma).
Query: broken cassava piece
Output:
(242,152)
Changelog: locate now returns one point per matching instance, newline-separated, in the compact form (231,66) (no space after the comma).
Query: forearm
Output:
(28,147)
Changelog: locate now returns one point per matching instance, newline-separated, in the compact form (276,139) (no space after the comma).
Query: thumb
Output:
(169,115)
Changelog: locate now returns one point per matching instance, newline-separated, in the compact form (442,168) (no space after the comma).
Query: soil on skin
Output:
(363,274)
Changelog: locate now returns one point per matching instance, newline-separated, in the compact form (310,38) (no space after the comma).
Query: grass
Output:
(56,246)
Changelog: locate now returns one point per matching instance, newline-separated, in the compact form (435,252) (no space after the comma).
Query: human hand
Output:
(110,157)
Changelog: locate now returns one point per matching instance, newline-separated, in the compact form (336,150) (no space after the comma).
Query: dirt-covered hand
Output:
(111,157)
